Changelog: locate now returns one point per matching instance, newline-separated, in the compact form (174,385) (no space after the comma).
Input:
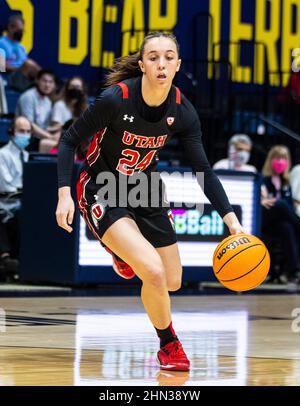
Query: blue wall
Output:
(99,27)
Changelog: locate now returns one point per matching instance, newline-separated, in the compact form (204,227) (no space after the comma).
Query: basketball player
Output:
(132,120)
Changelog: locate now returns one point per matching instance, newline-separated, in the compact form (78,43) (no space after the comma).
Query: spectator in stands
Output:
(22,70)
(295,185)
(278,215)
(81,150)
(72,104)
(239,150)
(12,157)
(36,105)
(2,61)
(3,102)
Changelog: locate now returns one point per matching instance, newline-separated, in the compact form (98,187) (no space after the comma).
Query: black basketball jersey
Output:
(130,144)
(127,139)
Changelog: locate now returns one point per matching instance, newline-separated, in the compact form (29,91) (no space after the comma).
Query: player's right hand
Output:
(65,212)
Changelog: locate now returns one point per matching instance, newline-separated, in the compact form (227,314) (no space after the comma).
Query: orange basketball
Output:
(241,262)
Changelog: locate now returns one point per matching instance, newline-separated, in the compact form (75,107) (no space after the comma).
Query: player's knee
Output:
(154,275)
(174,285)
(174,280)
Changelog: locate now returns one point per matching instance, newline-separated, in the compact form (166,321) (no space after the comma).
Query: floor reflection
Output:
(172,378)
(114,349)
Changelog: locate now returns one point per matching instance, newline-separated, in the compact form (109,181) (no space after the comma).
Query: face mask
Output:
(22,140)
(279,165)
(18,35)
(239,157)
(74,93)
(242,157)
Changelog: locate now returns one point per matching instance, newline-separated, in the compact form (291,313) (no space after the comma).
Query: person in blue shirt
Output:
(20,69)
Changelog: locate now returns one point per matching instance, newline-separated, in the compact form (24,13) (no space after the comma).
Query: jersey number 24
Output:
(132,162)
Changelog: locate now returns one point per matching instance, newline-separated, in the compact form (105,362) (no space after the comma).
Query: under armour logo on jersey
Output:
(126,117)
(170,120)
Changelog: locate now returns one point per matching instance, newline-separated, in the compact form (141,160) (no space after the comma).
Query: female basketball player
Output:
(132,120)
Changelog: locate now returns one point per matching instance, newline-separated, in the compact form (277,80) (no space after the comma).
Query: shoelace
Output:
(178,350)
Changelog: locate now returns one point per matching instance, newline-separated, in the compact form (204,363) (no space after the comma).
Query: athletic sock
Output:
(166,335)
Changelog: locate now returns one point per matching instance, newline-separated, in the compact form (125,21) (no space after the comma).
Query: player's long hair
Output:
(127,67)
(277,152)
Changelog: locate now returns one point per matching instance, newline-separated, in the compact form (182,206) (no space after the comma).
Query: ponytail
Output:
(123,68)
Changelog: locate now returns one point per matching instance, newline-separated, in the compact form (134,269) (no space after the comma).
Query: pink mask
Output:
(279,165)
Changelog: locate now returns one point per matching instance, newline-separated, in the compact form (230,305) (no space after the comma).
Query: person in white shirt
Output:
(36,105)
(239,150)
(12,156)
(295,185)
(70,106)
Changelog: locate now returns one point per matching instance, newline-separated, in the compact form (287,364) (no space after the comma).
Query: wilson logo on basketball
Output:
(233,245)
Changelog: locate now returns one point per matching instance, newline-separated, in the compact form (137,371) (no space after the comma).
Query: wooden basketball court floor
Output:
(106,341)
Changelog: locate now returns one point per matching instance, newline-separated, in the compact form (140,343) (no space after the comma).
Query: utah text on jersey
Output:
(131,144)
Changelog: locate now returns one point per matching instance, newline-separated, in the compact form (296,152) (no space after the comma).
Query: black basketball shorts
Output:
(156,224)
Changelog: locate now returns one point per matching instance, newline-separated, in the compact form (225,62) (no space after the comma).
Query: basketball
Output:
(241,262)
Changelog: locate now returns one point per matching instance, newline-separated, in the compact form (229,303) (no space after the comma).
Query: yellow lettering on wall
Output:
(114,14)
(73,9)
(27,11)
(96,32)
(296,60)
(290,40)
(162,22)
(132,19)
(238,31)
(108,59)
(214,34)
(268,37)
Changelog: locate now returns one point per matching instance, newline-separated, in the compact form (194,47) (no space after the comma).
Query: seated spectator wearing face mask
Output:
(12,157)
(72,104)
(278,214)
(295,185)
(21,70)
(239,149)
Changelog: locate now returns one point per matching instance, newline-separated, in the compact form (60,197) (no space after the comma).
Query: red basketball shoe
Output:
(172,357)
(120,267)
